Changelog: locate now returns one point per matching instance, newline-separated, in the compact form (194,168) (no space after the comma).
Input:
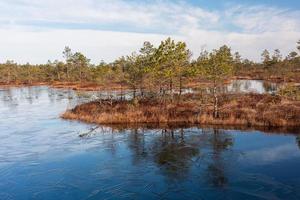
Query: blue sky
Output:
(37,30)
(220,4)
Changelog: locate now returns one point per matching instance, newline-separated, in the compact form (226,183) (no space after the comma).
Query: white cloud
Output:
(156,16)
(250,45)
(37,30)
(39,46)
(260,19)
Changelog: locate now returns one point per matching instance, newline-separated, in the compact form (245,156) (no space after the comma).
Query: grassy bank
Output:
(238,109)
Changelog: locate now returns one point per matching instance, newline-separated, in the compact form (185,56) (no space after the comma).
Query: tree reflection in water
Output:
(176,151)
(298,141)
(220,142)
(136,142)
(173,153)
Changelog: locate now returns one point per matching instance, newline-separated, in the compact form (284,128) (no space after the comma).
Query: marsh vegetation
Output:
(167,85)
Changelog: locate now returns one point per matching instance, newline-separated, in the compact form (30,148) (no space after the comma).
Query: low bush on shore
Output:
(235,109)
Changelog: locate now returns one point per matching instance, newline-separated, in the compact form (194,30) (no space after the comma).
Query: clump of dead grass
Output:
(238,109)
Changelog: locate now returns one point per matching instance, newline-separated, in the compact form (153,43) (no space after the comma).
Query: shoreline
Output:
(249,110)
(91,86)
(232,113)
(87,86)
(176,126)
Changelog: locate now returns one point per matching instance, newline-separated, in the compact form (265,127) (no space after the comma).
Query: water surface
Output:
(42,157)
(255,86)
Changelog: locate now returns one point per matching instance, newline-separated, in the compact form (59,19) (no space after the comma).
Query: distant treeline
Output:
(163,68)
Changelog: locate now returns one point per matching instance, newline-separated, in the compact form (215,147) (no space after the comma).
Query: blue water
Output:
(43,157)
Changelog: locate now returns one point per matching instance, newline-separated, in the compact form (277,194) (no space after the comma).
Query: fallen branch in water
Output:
(89,132)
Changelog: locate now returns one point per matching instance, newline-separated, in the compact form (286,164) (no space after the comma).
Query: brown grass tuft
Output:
(243,109)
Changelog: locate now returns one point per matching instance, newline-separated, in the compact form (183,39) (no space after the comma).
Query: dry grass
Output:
(21,84)
(86,86)
(247,109)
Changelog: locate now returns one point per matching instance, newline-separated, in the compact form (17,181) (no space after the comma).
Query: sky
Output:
(36,31)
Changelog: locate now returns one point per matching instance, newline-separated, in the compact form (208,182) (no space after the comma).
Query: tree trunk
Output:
(180,86)
(68,73)
(142,92)
(134,92)
(171,89)
(215,100)
(80,74)
(58,75)
(8,77)
(29,76)
(171,86)
(121,91)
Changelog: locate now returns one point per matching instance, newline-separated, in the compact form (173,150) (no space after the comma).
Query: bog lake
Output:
(43,157)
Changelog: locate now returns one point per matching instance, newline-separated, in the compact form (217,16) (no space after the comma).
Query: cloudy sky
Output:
(37,30)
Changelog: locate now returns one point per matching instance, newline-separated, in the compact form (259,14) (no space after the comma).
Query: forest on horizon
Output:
(168,66)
